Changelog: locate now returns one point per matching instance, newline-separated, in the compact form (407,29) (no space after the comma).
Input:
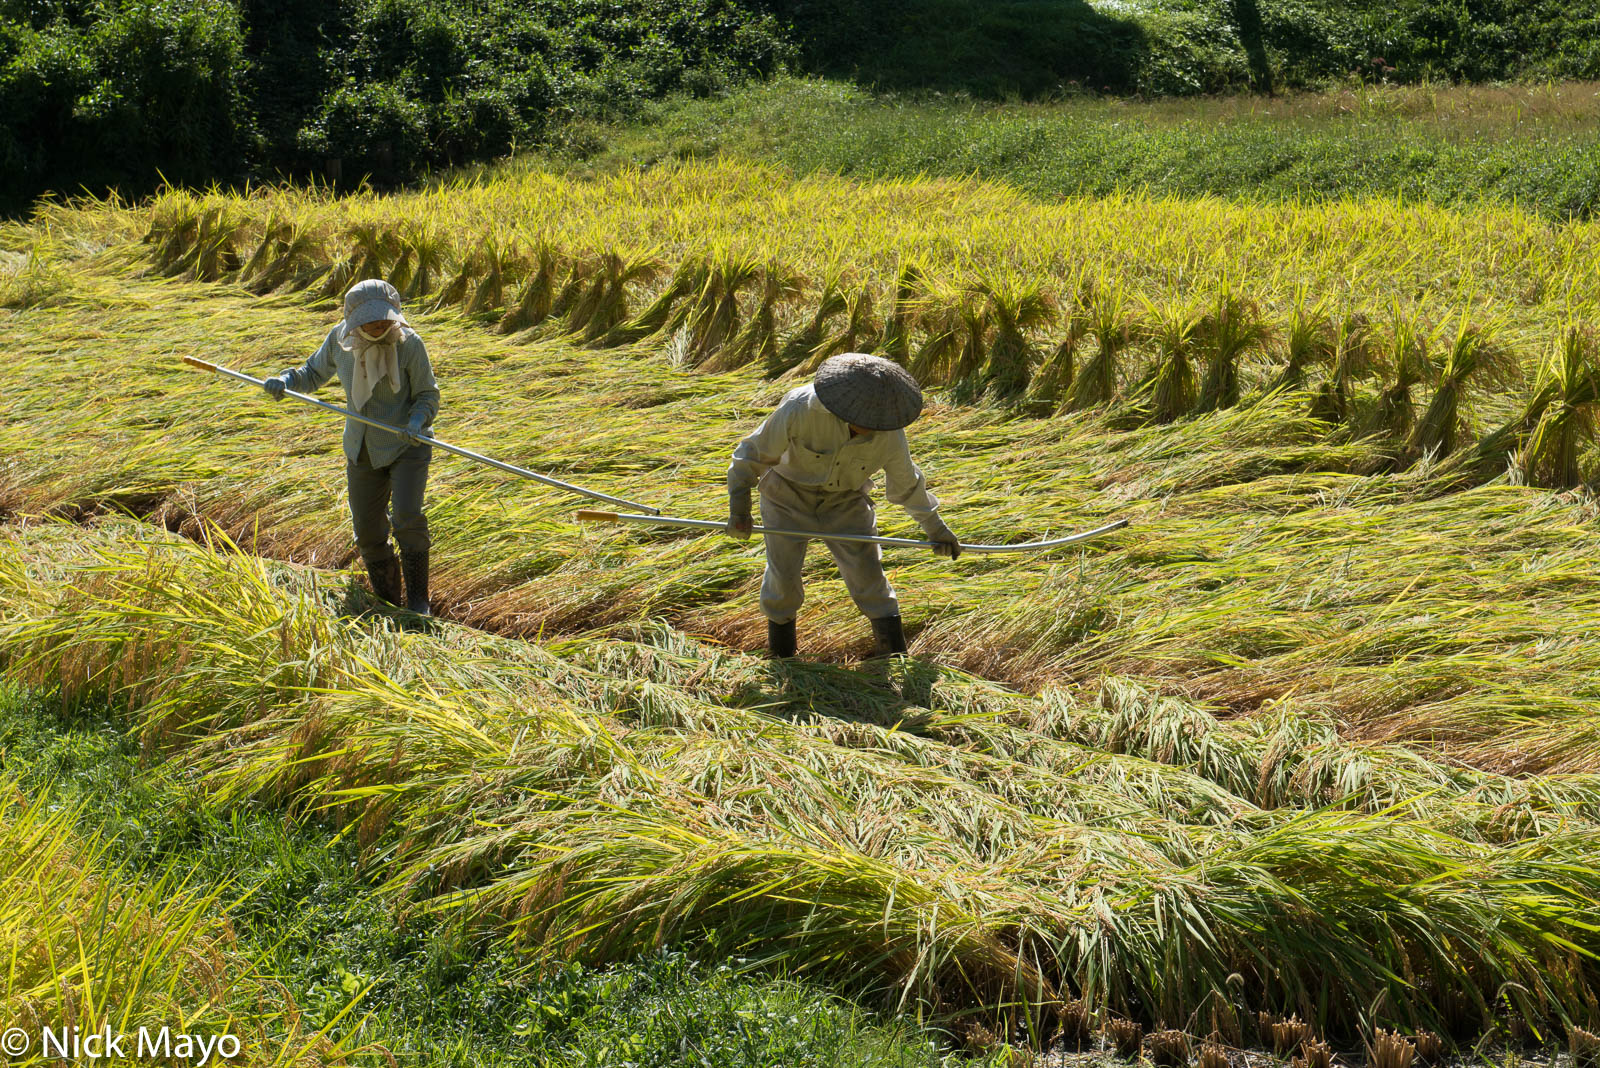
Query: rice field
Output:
(1314,739)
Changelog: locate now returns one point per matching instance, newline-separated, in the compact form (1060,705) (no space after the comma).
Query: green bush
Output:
(118,87)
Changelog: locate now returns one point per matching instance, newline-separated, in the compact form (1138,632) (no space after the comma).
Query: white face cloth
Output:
(373,360)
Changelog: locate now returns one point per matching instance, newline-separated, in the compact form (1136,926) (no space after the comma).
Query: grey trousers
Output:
(380,496)
(783,504)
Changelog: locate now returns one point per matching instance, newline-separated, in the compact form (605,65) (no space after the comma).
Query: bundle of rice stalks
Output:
(372,247)
(713,318)
(669,307)
(291,255)
(1233,327)
(1408,361)
(424,250)
(1562,413)
(619,271)
(900,321)
(538,293)
(1169,390)
(500,260)
(1444,424)
(1012,309)
(1355,356)
(1050,383)
(860,323)
(953,328)
(1113,322)
(804,343)
(1212,1055)
(757,341)
(1311,340)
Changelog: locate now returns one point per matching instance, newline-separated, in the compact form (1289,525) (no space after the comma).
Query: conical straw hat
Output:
(869,391)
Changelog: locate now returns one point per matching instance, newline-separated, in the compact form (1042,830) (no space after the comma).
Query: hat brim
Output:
(372,311)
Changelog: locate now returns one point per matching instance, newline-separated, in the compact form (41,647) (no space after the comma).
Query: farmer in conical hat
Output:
(383,366)
(813,460)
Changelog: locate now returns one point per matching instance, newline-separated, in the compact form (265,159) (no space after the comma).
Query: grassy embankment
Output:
(1441,144)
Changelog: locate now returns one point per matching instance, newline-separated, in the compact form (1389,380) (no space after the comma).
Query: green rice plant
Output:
(92,947)
(1113,323)
(1408,358)
(1233,328)
(1013,309)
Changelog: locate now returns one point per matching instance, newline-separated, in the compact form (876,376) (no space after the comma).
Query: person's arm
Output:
(424,389)
(905,485)
(309,376)
(752,458)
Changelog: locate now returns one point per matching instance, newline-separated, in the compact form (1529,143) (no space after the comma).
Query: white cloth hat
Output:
(368,301)
(868,391)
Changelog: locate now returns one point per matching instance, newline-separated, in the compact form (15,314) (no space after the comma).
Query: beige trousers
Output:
(784,504)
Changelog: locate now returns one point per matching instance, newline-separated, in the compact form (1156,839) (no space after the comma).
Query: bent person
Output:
(383,366)
(813,460)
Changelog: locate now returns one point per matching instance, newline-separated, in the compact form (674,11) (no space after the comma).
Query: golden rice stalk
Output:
(1311,341)
(1013,309)
(1127,1038)
(1169,390)
(538,292)
(1390,1050)
(1168,1049)
(1355,356)
(1234,327)
(898,324)
(1112,322)
(689,278)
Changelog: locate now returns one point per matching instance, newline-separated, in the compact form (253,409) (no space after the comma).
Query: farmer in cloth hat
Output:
(384,368)
(813,459)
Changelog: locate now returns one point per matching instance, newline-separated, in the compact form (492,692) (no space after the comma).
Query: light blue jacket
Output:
(386,405)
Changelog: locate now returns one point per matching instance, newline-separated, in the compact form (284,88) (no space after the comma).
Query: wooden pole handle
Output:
(195,361)
(593,515)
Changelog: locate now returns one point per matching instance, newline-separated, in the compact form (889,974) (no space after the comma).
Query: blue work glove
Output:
(275,386)
(416,432)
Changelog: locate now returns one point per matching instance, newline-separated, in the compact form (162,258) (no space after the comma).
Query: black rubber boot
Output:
(415,565)
(888,636)
(780,639)
(385,576)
